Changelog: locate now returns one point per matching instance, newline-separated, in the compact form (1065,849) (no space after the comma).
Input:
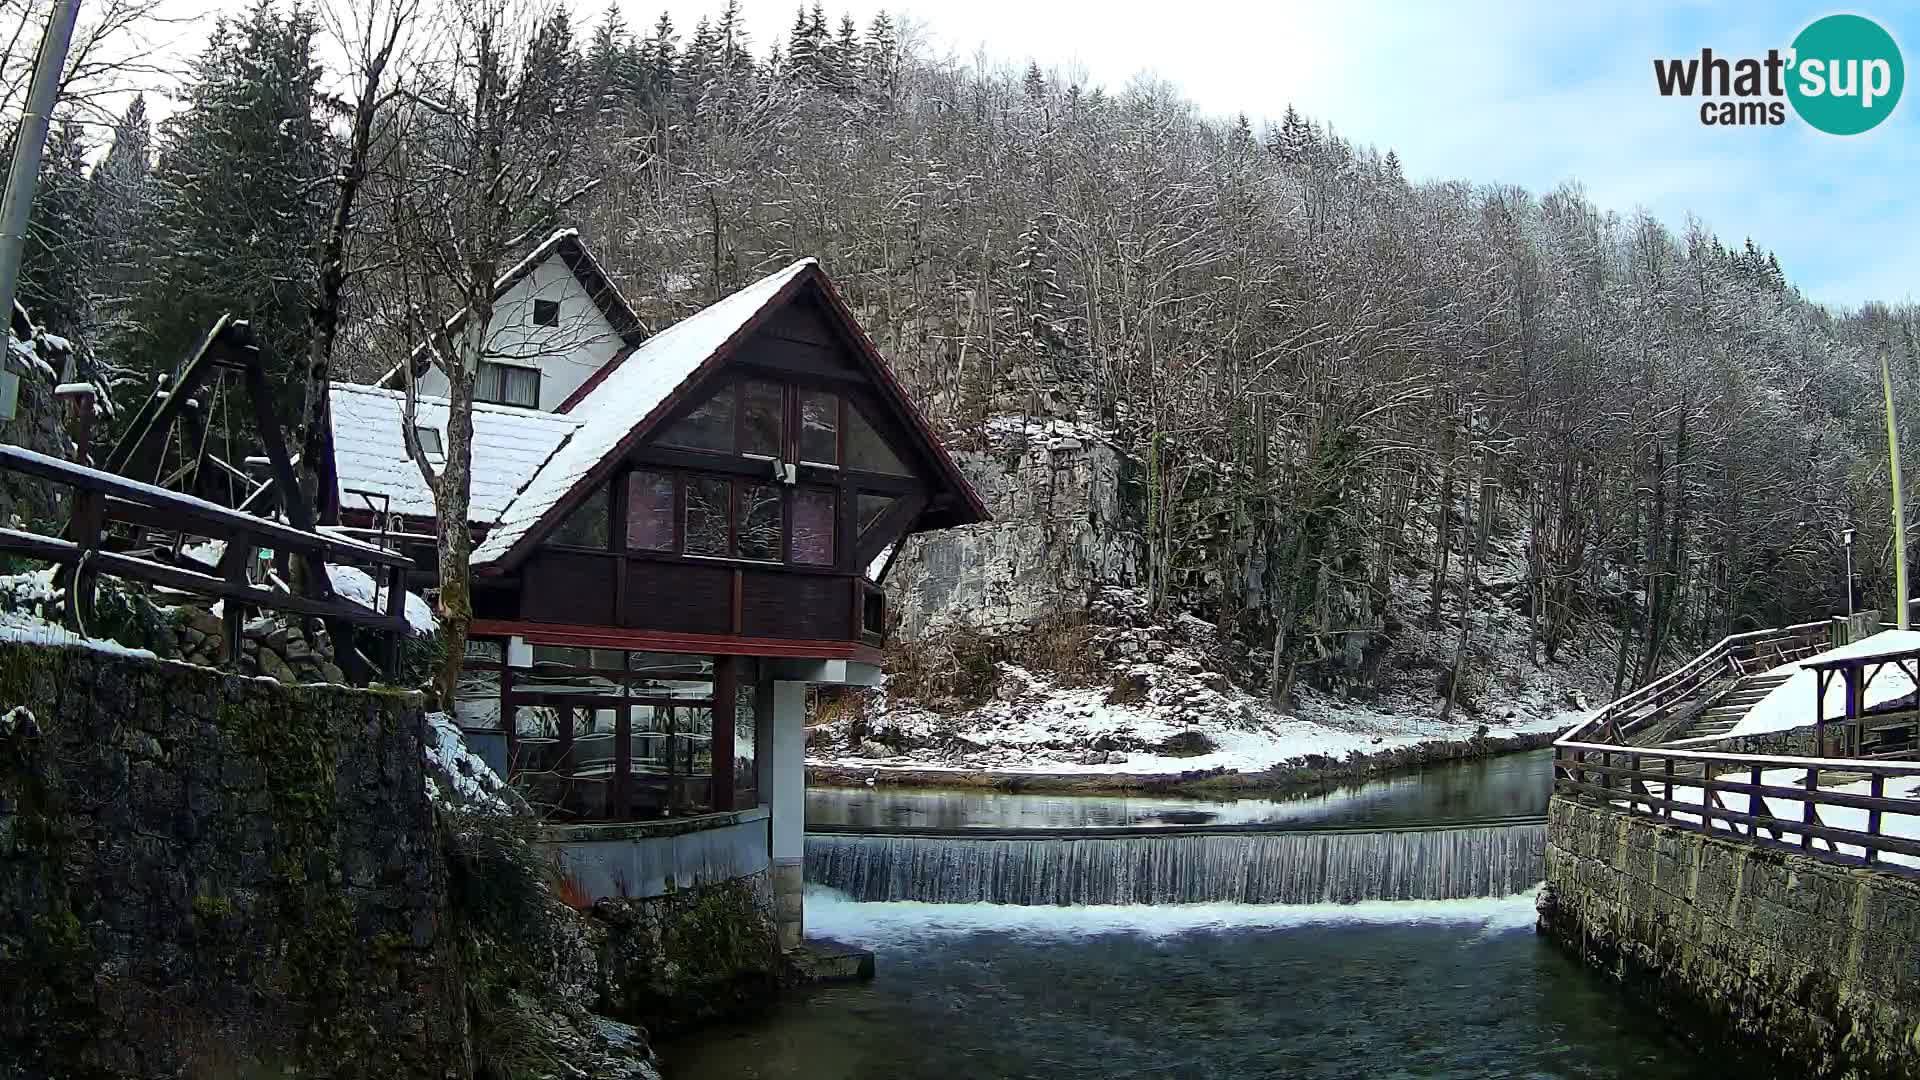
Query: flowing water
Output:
(1510,785)
(1307,867)
(1385,930)
(1458,989)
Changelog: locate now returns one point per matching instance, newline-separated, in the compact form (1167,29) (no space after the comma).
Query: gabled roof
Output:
(509,446)
(635,391)
(571,250)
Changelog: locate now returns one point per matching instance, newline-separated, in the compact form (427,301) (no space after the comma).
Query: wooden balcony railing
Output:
(103,500)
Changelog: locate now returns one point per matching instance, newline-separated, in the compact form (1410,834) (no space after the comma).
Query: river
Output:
(1039,988)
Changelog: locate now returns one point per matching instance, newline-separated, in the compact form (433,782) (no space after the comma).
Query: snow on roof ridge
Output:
(629,394)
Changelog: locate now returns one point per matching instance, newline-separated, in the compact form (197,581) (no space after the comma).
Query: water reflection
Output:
(1505,786)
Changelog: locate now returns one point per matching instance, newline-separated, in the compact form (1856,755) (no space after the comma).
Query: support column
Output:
(787,796)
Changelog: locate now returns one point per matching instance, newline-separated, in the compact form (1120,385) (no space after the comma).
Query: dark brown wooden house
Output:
(705,520)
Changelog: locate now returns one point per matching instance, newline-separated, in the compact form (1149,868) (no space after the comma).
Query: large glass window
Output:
(765,428)
(707,515)
(506,384)
(709,427)
(819,427)
(649,511)
(757,508)
(870,508)
(587,525)
(866,450)
(813,513)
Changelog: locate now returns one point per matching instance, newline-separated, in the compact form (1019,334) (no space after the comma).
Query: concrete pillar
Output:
(789,805)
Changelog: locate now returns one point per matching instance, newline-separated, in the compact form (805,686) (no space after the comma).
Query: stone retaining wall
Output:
(1814,964)
(209,875)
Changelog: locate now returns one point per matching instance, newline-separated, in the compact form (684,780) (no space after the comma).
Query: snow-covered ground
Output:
(1791,704)
(1035,726)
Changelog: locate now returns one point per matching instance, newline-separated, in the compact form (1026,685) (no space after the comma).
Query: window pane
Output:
(819,427)
(486,383)
(429,438)
(546,313)
(765,405)
(745,777)
(706,516)
(759,533)
(813,528)
(867,451)
(709,427)
(523,387)
(869,508)
(649,511)
(587,525)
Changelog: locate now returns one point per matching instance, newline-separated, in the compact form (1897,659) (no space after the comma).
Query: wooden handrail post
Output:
(1806,806)
(1879,791)
(1667,811)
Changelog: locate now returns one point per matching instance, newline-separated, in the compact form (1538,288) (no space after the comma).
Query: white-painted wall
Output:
(566,354)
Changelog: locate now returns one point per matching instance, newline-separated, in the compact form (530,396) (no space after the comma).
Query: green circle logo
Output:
(1847,74)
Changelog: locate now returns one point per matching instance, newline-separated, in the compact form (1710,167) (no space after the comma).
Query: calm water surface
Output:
(1419,989)
(1508,785)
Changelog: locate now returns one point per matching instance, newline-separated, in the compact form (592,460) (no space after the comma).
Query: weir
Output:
(1217,865)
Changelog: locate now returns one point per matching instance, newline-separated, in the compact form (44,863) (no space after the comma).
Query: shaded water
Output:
(1208,992)
(1504,786)
(1249,868)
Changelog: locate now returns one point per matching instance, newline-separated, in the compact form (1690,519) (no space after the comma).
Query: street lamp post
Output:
(1846,542)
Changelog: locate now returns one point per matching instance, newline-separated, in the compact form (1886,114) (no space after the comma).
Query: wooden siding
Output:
(773,604)
(565,586)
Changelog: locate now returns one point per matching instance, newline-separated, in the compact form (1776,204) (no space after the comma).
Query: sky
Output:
(1527,92)
(1531,93)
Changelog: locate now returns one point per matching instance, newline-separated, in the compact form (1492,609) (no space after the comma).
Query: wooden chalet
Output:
(672,544)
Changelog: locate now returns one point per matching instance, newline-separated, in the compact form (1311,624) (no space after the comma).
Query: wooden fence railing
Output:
(1730,657)
(103,499)
(1741,795)
(1844,810)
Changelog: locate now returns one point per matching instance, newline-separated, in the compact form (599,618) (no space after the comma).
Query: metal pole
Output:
(1899,512)
(1847,542)
(28,143)
(1849,573)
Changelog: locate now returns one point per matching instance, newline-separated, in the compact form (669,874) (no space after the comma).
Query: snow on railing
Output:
(1847,810)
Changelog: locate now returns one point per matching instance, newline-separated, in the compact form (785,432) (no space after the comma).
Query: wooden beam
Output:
(112,562)
(187,513)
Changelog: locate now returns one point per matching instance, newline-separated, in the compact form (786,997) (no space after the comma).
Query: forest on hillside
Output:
(1325,373)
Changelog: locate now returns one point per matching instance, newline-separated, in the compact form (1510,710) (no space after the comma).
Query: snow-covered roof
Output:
(625,400)
(509,446)
(1790,705)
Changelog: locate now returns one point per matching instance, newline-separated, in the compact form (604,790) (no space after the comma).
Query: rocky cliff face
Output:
(1064,524)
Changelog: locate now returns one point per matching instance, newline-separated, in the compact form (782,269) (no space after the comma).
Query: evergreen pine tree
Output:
(56,266)
(662,49)
(845,73)
(802,50)
(122,200)
(881,58)
(236,208)
(735,53)
(1035,83)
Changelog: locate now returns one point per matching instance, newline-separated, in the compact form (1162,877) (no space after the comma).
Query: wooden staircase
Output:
(1725,711)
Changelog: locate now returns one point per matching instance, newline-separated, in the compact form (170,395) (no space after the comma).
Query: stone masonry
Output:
(1815,965)
(210,875)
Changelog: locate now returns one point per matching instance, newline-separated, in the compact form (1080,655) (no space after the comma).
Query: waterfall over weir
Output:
(1219,866)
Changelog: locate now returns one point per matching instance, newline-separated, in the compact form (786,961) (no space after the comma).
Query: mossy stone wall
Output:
(697,954)
(1814,965)
(208,875)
